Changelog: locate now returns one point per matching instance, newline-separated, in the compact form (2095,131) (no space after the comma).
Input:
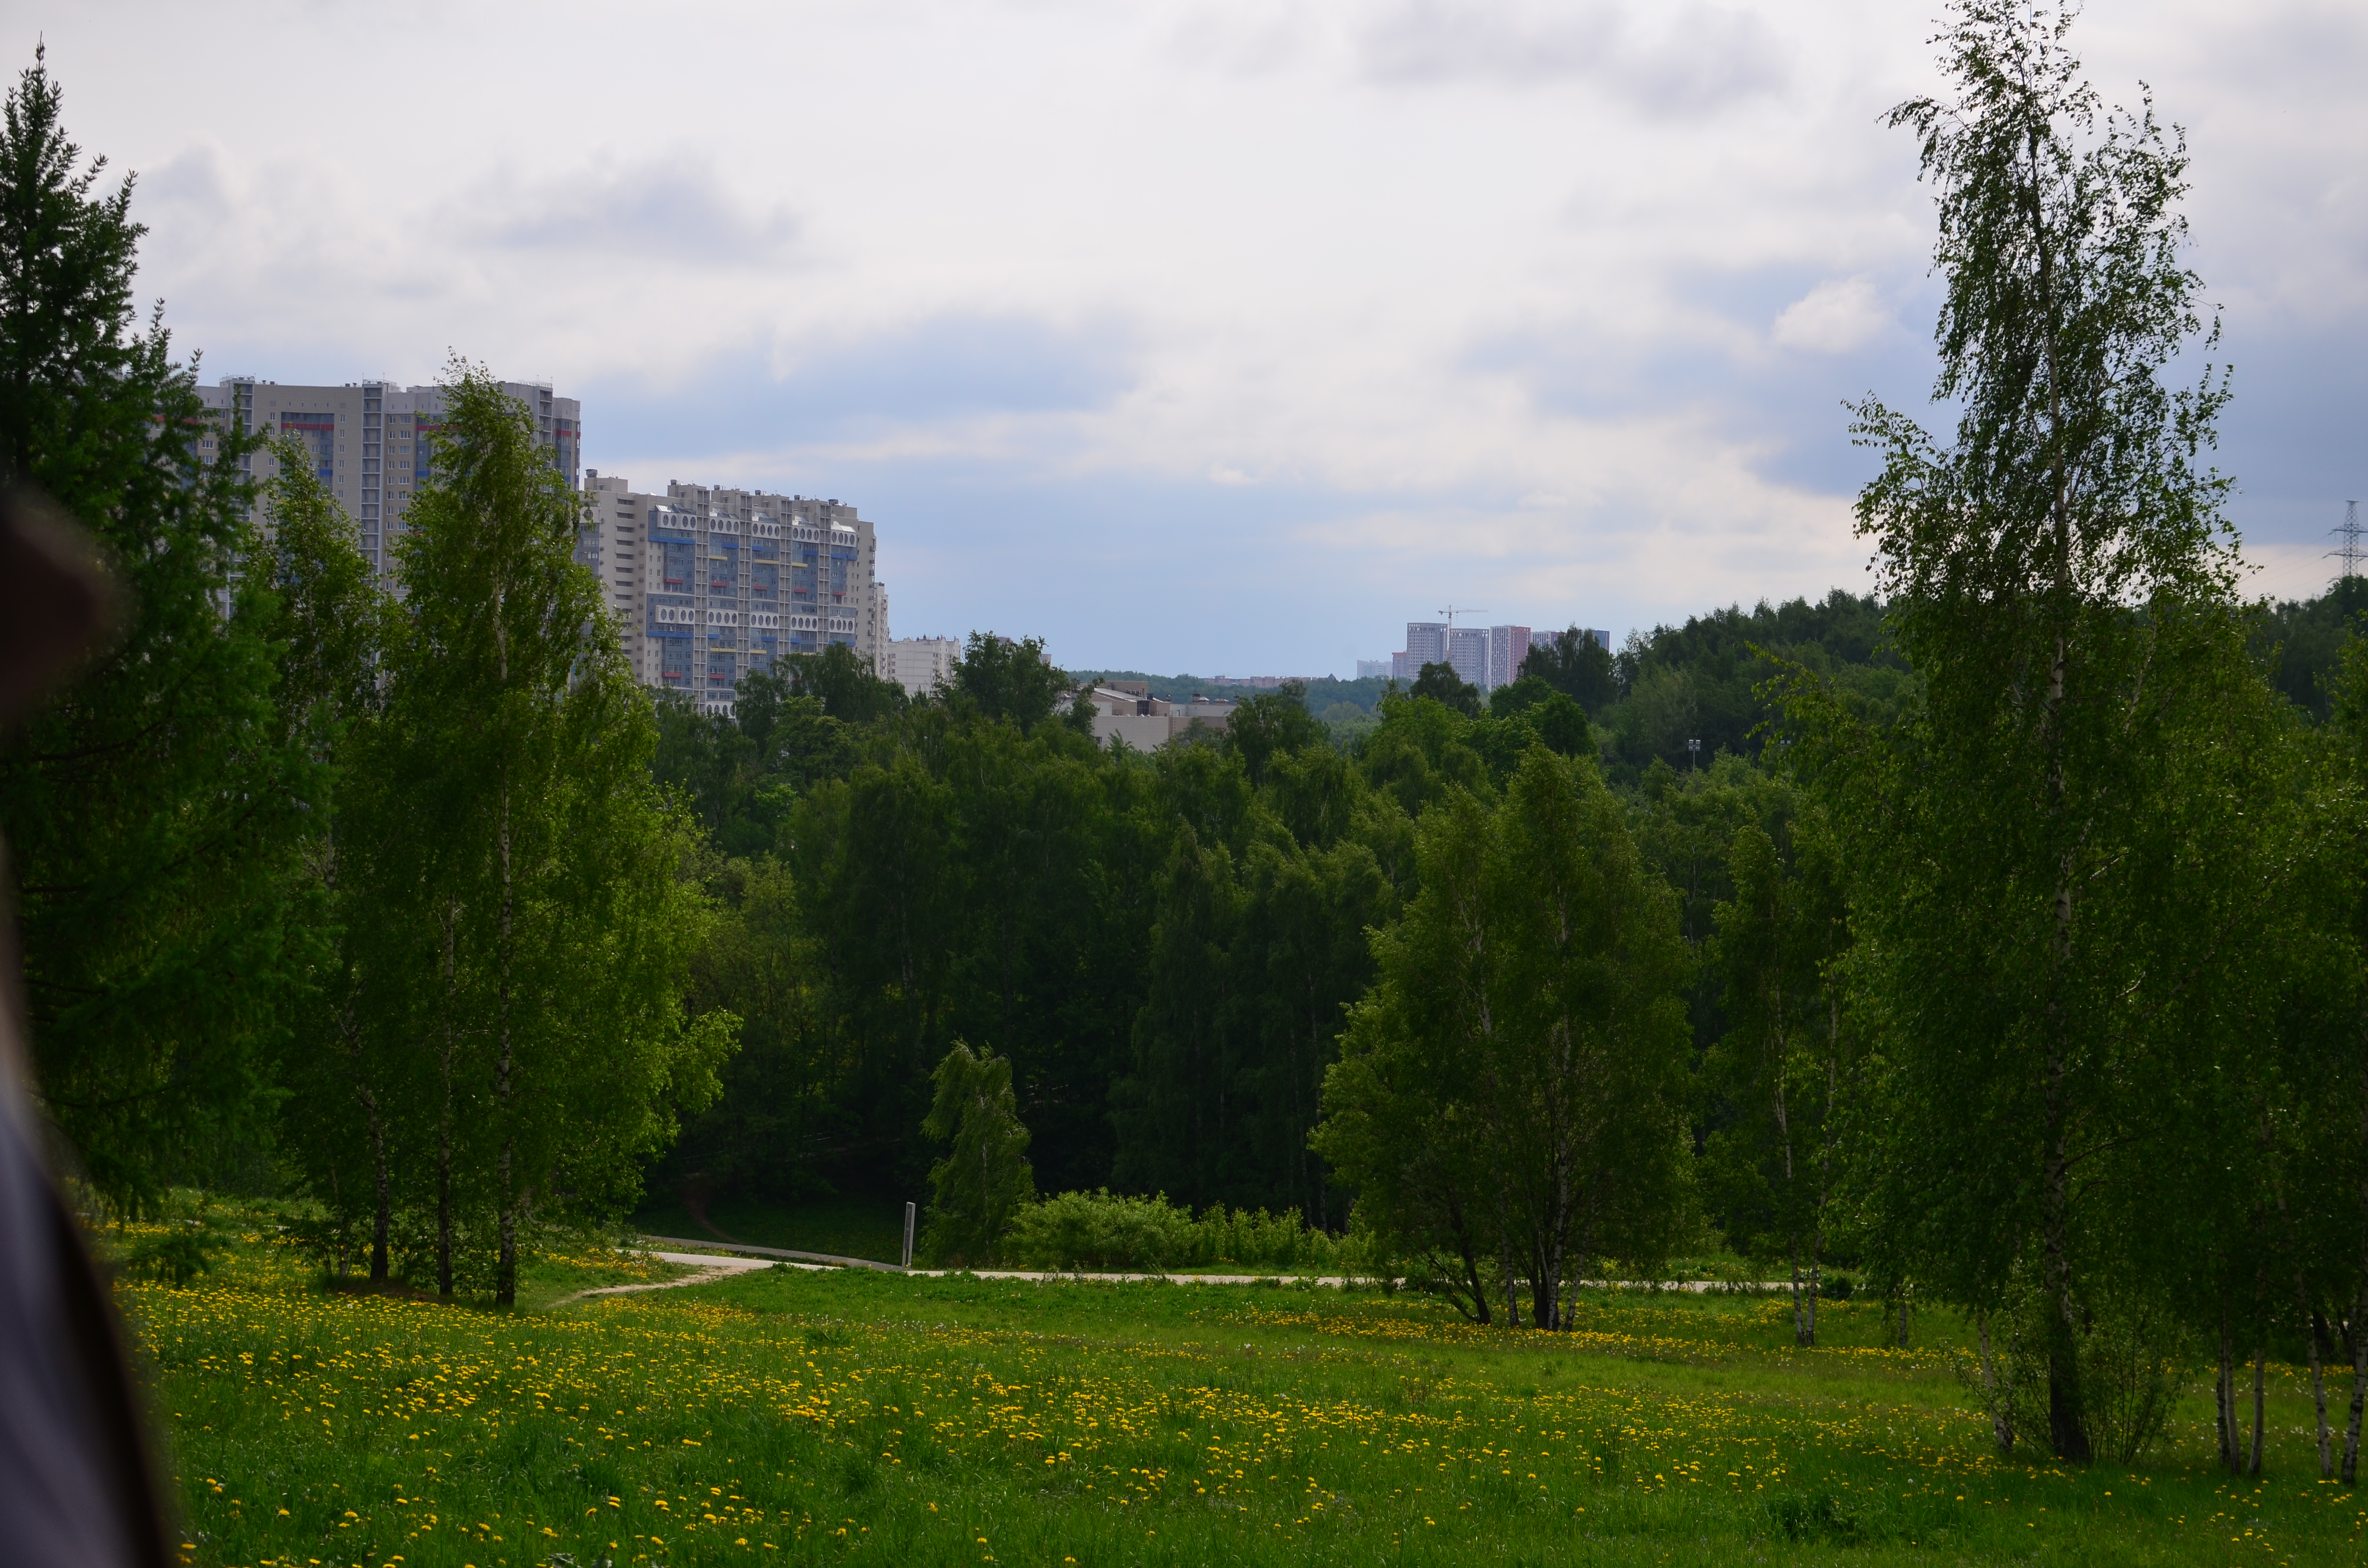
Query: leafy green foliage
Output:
(1781,1067)
(1441,685)
(1104,1230)
(999,678)
(1573,662)
(1708,680)
(1509,1094)
(159,811)
(844,685)
(2302,642)
(2062,582)
(519,920)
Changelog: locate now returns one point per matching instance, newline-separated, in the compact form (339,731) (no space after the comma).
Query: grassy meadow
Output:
(792,1417)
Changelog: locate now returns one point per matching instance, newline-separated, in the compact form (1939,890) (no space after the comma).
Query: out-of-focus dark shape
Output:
(57,603)
(77,1485)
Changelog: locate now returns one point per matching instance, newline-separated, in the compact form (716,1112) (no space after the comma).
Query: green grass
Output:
(871,1418)
(845,1227)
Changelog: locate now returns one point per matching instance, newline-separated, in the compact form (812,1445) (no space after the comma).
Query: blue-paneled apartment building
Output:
(711,582)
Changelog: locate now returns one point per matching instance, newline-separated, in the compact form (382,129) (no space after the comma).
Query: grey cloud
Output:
(195,178)
(680,198)
(1694,59)
(929,372)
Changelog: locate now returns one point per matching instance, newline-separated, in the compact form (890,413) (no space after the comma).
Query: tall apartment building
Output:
(1486,657)
(710,583)
(1467,654)
(370,441)
(1508,646)
(918,664)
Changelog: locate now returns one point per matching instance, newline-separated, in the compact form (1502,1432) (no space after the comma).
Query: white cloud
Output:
(1544,306)
(1833,318)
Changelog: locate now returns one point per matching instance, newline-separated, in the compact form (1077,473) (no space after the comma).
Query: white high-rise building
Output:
(710,584)
(370,441)
(919,664)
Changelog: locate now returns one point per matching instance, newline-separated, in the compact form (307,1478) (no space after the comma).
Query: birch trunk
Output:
(2001,1417)
(2253,1460)
(2316,1327)
(444,1118)
(2357,1335)
(2224,1400)
(2066,1421)
(381,1189)
(505,1262)
(1800,1325)
(2359,1338)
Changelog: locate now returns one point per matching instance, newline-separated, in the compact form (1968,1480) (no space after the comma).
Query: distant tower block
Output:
(2349,552)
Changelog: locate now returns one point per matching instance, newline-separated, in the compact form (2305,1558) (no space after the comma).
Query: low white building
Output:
(1126,710)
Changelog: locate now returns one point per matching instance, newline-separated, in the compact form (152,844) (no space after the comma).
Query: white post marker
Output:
(908,1237)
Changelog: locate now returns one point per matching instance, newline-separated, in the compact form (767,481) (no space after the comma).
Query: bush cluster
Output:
(1103,1230)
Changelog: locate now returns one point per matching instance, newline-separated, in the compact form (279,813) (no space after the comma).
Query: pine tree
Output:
(159,807)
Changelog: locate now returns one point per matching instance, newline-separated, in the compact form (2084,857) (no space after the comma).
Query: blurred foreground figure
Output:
(76,1484)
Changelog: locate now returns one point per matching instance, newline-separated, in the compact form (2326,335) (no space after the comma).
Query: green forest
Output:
(1998,940)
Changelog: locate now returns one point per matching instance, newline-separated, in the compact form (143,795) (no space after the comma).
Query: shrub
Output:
(1105,1231)
(1102,1230)
(2128,1346)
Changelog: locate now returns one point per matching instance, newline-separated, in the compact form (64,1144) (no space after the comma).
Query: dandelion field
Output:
(789,1416)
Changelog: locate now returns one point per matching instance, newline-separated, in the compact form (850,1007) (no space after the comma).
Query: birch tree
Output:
(534,882)
(2054,570)
(1779,1065)
(1512,1087)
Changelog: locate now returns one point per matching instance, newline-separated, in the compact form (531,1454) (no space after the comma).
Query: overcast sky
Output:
(1220,338)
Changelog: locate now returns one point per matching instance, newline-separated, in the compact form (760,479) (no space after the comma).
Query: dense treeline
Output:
(1161,945)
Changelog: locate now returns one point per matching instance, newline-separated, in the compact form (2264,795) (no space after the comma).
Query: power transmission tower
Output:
(2350,552)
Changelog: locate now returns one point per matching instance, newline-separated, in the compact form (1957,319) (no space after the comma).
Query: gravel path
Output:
(740,1258)
(710,1268)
